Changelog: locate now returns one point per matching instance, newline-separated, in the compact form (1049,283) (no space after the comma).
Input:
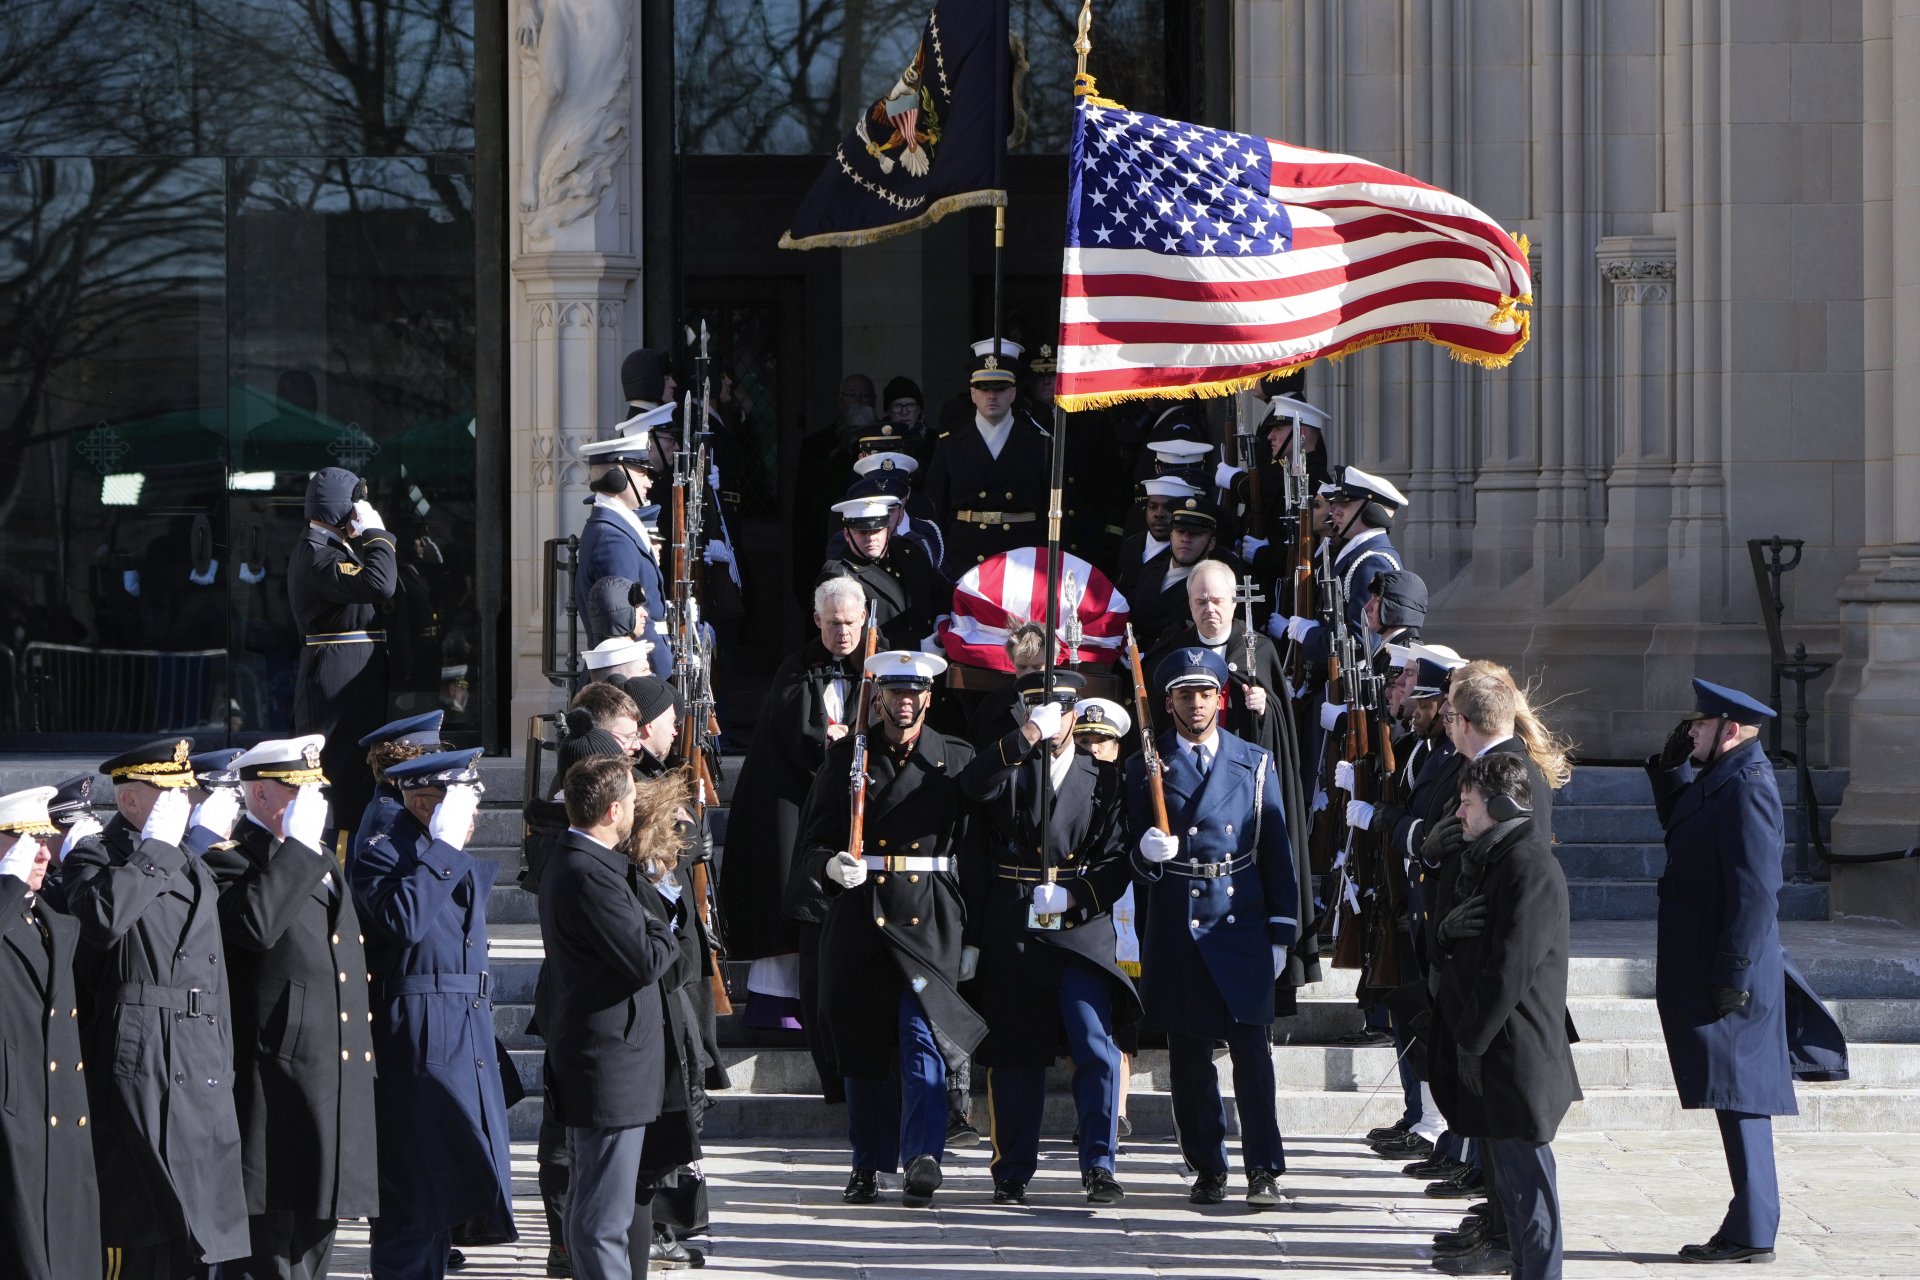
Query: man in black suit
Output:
(604,1015)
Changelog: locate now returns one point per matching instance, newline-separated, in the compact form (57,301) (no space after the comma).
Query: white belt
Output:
(881,862)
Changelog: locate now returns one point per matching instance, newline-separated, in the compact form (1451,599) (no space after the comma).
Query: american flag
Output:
(1199,261)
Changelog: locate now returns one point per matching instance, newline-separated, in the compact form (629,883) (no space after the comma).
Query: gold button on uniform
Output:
(343,975)
(915,920)
(914,878)
(881,921)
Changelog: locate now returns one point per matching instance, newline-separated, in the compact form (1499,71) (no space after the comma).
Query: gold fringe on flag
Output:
(937,210)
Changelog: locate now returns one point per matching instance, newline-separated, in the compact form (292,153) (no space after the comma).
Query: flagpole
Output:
(1057,451)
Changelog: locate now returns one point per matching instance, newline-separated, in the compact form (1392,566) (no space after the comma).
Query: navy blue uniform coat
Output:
(610,547)
(1719,927)
(1218,930)
(438,1100)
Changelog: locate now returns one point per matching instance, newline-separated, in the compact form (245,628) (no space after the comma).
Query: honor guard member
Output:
(616,659)
(893,473)
(1193,536)
(303,1044)
(442,1116)
(1286,413)
(618,540)
(216,800)
(403,739)
(1719,976)
(1220,893)
(1146,553)
(891,944)
(71,809)
(338,578)
(1359,511)
(988,478)
(166,1143)
(1041,924)
(49,1201)
(907,594)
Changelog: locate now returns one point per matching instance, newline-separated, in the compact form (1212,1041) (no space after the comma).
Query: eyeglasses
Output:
(1448,716)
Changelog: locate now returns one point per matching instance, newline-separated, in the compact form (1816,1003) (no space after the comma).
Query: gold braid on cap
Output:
(29,827)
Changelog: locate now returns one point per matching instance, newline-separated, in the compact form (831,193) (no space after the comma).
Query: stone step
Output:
(1597,861)
(1607,824)
(1623,784)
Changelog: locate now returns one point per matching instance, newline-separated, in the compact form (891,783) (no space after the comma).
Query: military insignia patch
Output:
(181,750)
(310,756)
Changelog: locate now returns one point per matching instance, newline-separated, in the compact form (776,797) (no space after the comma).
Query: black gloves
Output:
(1726,1000)
(1447,838)
(1468,920)
(1470,1074)
(1678,746)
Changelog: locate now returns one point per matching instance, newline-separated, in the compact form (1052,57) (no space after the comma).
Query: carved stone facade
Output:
(1726,346)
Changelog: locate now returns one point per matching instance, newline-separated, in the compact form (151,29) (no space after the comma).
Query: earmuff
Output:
(1376,515)
(613,481)
(360,491)
(1504,808)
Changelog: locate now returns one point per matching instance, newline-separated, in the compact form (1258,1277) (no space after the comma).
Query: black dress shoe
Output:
(1718,1250)
(1385,1131)
(559,1264)
(1454,1243)
(1124,1127)
(960,1131)
(1464,1185)
(1009,1192)
(1484,1259)
(862,1188)
(1102,1187)
(669,1255)
(1263,1188)
(1434,1167)
(1403,1146)
(1364,1039)
(1209,1188)
(455,1259)
(922,1180)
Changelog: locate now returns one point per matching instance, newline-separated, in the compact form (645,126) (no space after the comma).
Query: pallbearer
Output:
(1042,923)
(890,947)
(1220,895)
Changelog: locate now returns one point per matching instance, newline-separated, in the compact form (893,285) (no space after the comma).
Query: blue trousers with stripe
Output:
(1017,1095)
(895,1120)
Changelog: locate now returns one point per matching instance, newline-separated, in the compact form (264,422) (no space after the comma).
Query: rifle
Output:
(1303,575)
(1390,960)
(1349,938)
(1149,752)
(1247,443)
(857,778)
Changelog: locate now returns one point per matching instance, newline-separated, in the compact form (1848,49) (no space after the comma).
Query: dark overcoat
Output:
(49,1201)
(1020,966)
(337,586)
(165,1139)
(1437,886)
(964,476)
(602,1004)
(903,587)
(438,1099)
(1216,929)
(303,1043)
(1159,608)
(1133,564)
(673,1136)
(610,547)
(899,928)
(1719,927)
(1503,995)
(789,742)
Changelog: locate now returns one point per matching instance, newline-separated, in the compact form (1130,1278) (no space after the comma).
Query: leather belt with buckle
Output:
(996,517)
(1196,870)
(882,862)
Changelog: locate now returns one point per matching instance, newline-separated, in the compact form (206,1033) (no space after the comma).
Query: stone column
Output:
(1880,606)
(1638,271)
(572,118)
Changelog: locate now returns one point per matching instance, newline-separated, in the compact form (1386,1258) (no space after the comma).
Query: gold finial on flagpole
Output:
(1082,46)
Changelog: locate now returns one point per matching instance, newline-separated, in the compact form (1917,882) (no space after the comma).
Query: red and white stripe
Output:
(1003,591)
(1375,254)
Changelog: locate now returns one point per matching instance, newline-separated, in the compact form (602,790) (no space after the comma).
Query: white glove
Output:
(846,870)
(130,582)
(167,820)
(969,963)
(19,860)
(717,552)
(1330,713)
(1279,960)
(1251,546)
(1047,717)
(84,827)
(1223,474)
(218,812)
(199,579)
(251,576)
(452,820)
(305,819)
(1319,800)
(1049,899)
(1343,775)
(1360,815)
(713,476)
(1298,629)
(364,518)
(1157,846)
(1277,625)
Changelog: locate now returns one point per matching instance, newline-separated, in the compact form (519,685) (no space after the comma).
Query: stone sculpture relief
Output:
(580,52)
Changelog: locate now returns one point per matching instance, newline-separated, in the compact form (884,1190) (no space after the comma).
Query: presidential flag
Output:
(1200,261)
(933,143)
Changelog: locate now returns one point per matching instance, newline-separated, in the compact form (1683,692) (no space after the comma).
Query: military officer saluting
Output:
(988,477)
(894,573)
(1719,976)
(304,1046)
(1042,924)
(1220,892)
(338,578)
(49,1202)
(618,540)
(890,946)
(166,1141)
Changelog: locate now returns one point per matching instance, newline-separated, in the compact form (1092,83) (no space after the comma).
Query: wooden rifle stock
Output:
(857,821)
(1350,939)
(1149,750)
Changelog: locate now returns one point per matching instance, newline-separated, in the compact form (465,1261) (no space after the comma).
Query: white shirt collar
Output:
(1151,548)
(1211,742)
(628,514)
(995,436)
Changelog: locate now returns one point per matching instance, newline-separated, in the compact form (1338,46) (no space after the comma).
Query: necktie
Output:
(1204,759)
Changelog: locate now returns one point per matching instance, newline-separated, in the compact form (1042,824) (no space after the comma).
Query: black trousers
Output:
(831,1087)
(169,1260)
(285,1247)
